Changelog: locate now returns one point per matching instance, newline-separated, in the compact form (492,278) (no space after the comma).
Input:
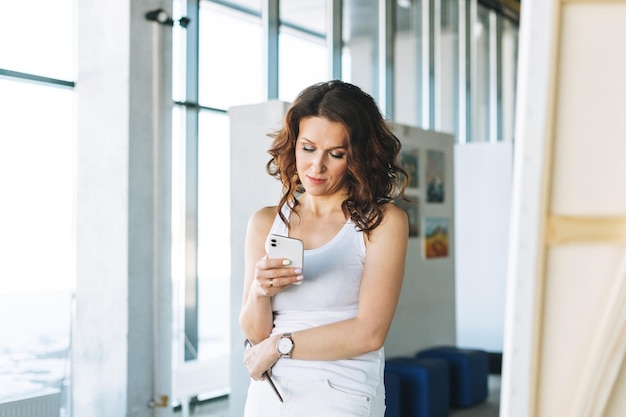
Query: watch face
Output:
(284,345)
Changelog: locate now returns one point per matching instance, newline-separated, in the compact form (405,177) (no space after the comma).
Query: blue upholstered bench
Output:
(469,373)
(423,386)
(392,395)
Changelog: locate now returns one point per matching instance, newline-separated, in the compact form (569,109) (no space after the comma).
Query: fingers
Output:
(272,263)
(271,286)
(275,268)
(255,363)
(254,373)
(272,276)
(295,275)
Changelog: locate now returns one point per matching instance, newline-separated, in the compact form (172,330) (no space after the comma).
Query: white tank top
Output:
(329,293)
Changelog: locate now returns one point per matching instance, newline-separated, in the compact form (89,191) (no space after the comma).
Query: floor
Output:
(490,408)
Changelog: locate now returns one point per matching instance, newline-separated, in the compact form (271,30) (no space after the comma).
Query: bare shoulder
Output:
(261,221)
(264,215)
(395,224)
(394,216)
(392,210)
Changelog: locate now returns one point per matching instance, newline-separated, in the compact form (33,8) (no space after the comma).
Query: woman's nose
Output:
(318,163)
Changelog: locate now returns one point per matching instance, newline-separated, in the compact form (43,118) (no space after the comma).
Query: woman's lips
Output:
(315,181)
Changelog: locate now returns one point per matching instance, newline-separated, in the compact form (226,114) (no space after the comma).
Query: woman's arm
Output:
(378,297)
(256,319)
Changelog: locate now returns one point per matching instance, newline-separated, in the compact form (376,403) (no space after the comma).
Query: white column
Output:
(120,339)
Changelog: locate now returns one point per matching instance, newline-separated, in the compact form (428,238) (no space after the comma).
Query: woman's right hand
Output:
(260,358)
(272,276)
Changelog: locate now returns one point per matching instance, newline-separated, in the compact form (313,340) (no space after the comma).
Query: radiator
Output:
(45,405)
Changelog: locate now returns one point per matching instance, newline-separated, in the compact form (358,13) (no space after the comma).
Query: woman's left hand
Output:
(261,357)
(272,276)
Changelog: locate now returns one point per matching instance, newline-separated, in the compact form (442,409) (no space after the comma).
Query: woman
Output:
(322,341)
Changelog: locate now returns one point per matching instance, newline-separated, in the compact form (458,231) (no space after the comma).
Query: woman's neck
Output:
(320,207)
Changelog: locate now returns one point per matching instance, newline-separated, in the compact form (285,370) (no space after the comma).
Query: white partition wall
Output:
(483,173)
(565,340)
(252,188)
(426,311)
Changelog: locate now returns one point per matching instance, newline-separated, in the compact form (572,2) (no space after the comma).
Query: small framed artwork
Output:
(436,239)
(412,211)
(435,178)
(410,163)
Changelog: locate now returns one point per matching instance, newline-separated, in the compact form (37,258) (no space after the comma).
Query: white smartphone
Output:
(286,247)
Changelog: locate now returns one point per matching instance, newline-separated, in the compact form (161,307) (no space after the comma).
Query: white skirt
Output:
(311,398)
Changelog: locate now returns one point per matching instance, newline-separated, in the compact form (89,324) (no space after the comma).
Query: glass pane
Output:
(510,37)
(360,40)
(480,110)
(37,37)
(37,218)
(307,15)
(179,52)
(231,58)
(408,64)
(303,61)
(178,234)
(251,5)
(214,238)
(448,110)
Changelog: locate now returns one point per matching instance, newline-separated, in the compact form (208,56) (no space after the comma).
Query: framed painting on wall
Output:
(435,178)
(410,162)
(435,238)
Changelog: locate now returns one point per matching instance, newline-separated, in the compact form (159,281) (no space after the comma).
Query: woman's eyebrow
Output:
(313,143)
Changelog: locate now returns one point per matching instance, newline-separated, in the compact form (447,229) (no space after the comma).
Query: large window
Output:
(222,74)
(230,71)
(228,74)
(510,38)
(360,45)
(409,64)
(454,66)
(303,55)
(37,182)
(482,75)
(37,37)
(447,97)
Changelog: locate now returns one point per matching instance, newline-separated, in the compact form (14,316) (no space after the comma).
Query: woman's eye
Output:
(307,149)
(337,155)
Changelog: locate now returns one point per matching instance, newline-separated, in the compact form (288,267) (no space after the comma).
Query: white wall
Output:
(483,173)
(425,314)
(251,189)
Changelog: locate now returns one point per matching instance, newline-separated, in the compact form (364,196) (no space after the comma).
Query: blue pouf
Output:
(424,386)
(469,373)
(392,395)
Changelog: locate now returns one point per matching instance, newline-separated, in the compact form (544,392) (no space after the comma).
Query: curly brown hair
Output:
(374,174)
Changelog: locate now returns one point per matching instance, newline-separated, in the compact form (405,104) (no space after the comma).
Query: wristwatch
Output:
(285,345)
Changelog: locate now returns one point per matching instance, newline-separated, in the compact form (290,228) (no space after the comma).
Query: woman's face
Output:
(321,156)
